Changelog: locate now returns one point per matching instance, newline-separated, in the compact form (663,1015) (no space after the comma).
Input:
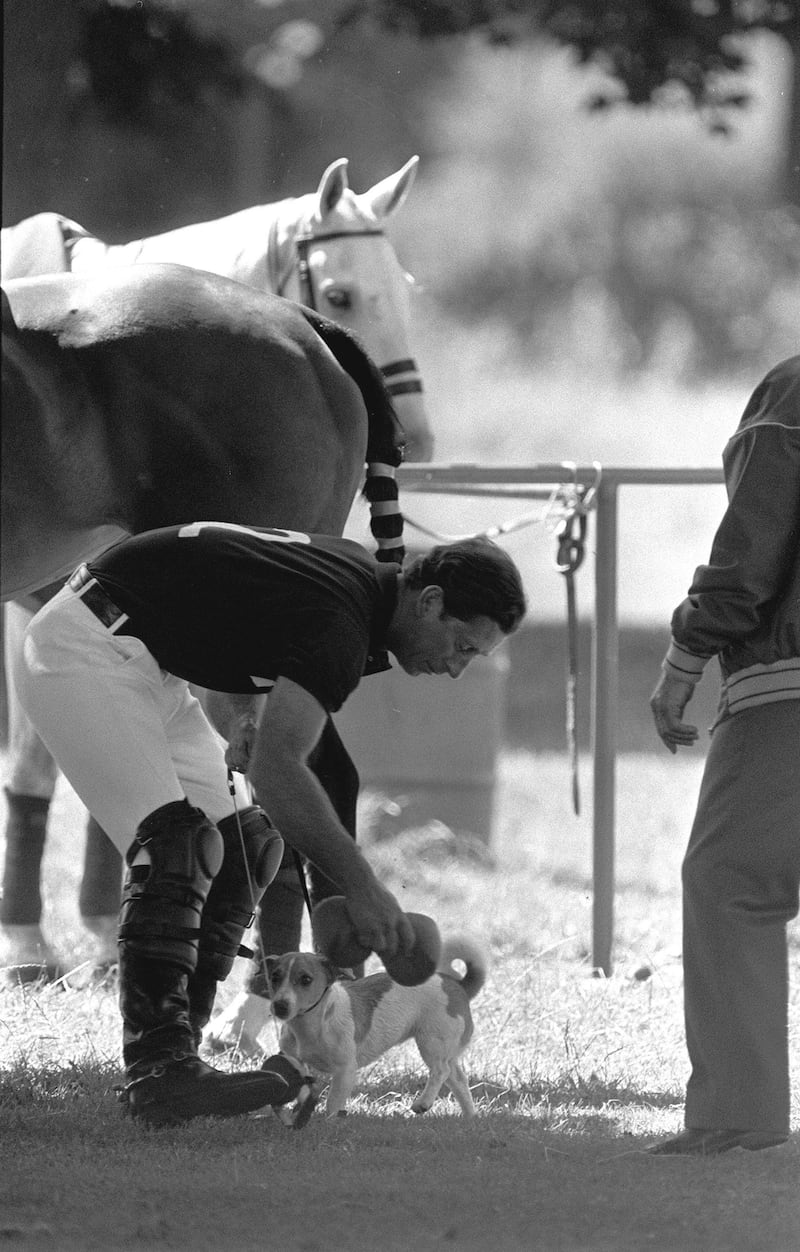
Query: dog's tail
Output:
(470,954)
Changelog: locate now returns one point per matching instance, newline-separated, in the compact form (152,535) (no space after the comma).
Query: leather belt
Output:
(97,600)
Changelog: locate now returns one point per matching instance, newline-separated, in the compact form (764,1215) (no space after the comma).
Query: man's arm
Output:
(289,729)
(751,552)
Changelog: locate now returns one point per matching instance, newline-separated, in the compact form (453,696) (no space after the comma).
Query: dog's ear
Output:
(345,975)
(269,966)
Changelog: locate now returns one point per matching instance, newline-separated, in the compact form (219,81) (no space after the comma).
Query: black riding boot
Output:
(231,905)
(160,925)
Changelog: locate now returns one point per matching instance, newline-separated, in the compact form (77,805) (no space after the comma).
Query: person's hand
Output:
(242,737)
(667,704)
(380,924)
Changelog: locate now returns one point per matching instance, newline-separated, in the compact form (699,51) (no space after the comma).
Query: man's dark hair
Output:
(477,577)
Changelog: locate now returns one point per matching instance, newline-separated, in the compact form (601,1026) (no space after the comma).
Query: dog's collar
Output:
(311,1007)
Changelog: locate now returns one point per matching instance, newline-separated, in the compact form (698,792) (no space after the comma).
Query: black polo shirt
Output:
(233,608)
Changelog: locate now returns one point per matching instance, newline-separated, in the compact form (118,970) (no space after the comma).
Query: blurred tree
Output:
(657,51)
(137,115)
(110,106)
(139,57)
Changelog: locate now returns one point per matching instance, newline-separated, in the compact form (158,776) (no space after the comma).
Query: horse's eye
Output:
(338,297)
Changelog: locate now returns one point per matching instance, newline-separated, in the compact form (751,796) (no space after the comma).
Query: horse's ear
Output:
(332,186)
(387,196)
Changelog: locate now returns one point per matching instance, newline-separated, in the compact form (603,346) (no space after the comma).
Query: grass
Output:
(573,1075)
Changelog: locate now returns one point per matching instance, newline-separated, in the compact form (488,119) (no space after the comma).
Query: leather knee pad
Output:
(251,861)
(162,902)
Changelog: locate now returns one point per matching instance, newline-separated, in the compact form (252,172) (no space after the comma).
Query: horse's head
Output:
(337,259)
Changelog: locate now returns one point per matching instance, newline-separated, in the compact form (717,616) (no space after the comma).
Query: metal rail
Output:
(521,482)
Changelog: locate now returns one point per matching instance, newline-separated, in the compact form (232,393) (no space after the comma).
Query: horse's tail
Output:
(385,439)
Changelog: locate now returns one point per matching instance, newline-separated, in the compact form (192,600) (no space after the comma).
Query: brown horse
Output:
(150,395)
(143,396)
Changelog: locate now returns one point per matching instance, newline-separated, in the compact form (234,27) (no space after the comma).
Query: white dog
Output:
(336,1027)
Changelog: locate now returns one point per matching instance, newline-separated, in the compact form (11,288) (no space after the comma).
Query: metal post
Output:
(605,700)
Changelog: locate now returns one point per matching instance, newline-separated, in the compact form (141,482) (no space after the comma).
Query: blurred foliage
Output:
(646,45)
(636,240)
(136,117)
(695,288)
(138,57)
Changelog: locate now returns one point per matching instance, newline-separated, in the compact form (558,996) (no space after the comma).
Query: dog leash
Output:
(300,1114)
(301,874)
(250,885)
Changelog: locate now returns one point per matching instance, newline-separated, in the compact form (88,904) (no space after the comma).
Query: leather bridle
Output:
(300,262)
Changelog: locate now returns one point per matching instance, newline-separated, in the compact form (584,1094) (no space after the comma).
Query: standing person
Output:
(104,676)
(742,866)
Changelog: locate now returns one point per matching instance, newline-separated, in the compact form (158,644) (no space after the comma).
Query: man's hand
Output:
(379,922)
(241,739)
(236,717)
(667,703)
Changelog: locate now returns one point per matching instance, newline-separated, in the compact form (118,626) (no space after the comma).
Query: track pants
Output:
(740,889)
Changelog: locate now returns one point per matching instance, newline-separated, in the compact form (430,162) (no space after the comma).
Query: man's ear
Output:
(431,600)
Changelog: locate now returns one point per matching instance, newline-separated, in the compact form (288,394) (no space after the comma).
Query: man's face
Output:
(431,642)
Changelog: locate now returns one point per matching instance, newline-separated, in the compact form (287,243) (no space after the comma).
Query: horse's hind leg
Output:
(29,789)
(100,893)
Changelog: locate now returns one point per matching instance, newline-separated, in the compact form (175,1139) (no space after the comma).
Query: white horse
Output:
(327,250)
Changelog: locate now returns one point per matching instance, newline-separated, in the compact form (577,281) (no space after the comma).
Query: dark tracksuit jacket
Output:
(744,605)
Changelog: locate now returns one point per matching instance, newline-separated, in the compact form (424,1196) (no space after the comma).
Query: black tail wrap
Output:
(385,437)
(386,520)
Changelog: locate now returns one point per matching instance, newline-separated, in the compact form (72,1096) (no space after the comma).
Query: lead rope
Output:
(570,503)
(569,558)
(571,550)
(250,886)
(307,1099)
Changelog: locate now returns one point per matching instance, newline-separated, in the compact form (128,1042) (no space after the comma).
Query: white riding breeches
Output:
(128,736)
